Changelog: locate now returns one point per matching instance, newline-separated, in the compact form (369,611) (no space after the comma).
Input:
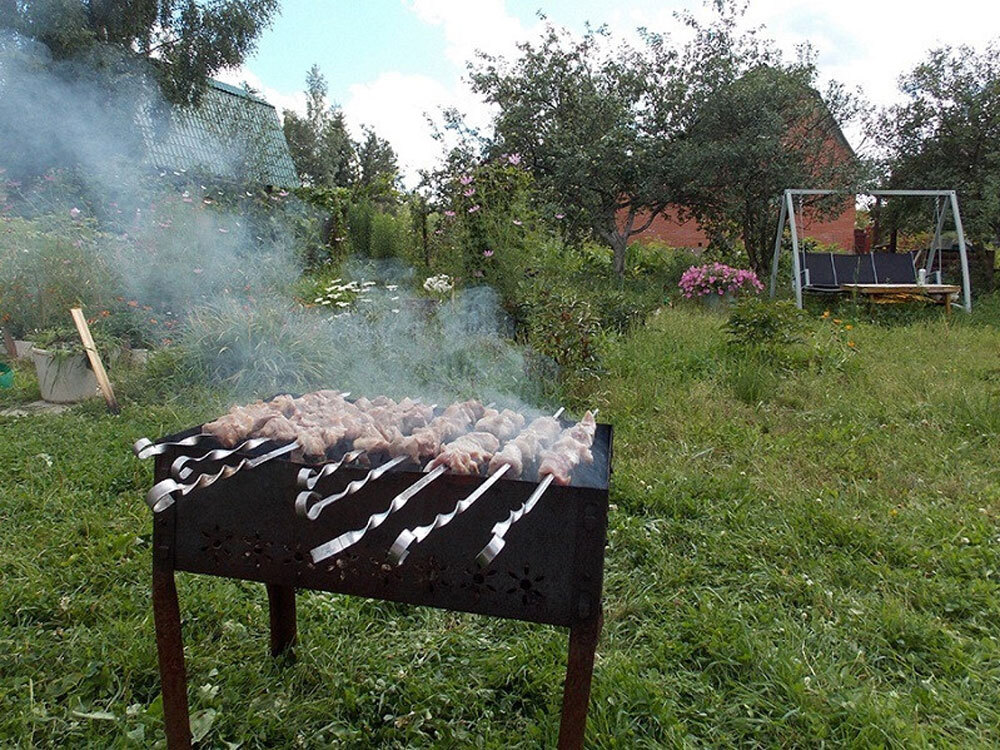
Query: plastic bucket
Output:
(6,376)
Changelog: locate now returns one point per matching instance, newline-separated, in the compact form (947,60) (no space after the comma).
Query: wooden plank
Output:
(95,359)
(895,288)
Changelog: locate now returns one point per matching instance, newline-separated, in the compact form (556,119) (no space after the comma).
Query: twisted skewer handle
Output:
(496,544)
(144,448)
(309,478)
(161,496)
(350,538)
(179,470)
(400,548)
(302,501)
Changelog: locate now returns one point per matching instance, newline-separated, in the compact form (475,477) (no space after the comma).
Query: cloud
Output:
(470,26)
(396,106)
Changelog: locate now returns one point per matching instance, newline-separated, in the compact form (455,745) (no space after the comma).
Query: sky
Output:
(392,63)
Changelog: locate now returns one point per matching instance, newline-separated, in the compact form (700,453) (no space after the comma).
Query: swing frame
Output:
(944,200)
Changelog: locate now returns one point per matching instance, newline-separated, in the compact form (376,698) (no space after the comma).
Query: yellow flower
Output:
(850,344)
(848,327)
(838,321)
(826,313)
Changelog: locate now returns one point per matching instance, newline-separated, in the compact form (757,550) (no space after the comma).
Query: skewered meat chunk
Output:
(504,424)
(466,454)
(419,446)
(524,449)
(239,423)
(279,428)
(569,451)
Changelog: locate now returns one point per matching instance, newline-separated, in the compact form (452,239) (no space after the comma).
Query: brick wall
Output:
(668,229)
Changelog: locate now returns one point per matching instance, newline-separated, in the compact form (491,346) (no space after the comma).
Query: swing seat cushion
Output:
(829,271)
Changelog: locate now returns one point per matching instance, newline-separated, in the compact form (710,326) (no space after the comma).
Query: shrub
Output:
(718,278)
(48,265)
(757,323)
(563,326)
(389,237)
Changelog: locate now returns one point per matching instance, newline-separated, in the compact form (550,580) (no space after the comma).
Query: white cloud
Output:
(396,106)
(470,26)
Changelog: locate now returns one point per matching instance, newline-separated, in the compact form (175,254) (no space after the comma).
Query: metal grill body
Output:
(245,527)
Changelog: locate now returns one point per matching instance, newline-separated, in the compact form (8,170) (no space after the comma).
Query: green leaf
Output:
(97,715)
(201,723)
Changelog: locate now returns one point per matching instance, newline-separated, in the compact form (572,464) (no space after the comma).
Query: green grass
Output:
(799,558)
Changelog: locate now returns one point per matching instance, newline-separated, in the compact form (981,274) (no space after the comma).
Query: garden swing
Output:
(881,276)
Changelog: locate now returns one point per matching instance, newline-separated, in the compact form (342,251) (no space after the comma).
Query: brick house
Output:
(668,229)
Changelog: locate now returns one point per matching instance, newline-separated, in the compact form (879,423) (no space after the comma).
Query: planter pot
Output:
(64,379)
(718,301)
(23,349)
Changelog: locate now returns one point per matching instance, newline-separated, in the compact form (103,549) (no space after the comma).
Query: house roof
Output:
(229,134)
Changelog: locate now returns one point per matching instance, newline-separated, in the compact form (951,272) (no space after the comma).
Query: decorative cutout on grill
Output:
(526,586)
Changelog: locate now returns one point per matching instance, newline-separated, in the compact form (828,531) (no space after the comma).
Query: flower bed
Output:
(718,279)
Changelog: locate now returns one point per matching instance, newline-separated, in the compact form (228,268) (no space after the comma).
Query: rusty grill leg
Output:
(170,653)
(576,691)
(281,603)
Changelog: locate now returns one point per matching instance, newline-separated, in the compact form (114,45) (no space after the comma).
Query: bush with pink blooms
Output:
(718,279)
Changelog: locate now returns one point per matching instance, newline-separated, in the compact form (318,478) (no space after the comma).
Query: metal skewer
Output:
(161,496)
(496,544)
(309,478)
(350,538)
(180,472)
(302,501)
(144,448)
(400,548)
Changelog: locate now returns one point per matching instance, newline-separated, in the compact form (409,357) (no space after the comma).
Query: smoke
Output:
(89,122)
(228,271)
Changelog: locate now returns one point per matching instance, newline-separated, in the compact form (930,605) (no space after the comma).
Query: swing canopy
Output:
(875,272)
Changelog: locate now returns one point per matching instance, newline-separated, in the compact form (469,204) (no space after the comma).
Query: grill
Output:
(491,546)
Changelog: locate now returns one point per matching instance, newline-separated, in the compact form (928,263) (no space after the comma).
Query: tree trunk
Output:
(619,245)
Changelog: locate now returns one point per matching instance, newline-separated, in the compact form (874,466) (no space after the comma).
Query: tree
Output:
(946,134)
(757,127)
(189,40)
(319,143)
(595,121)
(377,168)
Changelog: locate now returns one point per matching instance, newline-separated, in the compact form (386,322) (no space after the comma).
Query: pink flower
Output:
(560,216)
(474,208)
(74,212)
(465,179)
(487,253)
(449,213)
(469,192)
(514,159)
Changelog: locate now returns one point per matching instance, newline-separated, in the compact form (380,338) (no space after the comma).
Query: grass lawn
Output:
(800,558)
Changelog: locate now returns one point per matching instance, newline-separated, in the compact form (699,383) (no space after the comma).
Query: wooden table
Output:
(889,293)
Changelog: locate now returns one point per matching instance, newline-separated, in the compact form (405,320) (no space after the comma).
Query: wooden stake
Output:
(95,360)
